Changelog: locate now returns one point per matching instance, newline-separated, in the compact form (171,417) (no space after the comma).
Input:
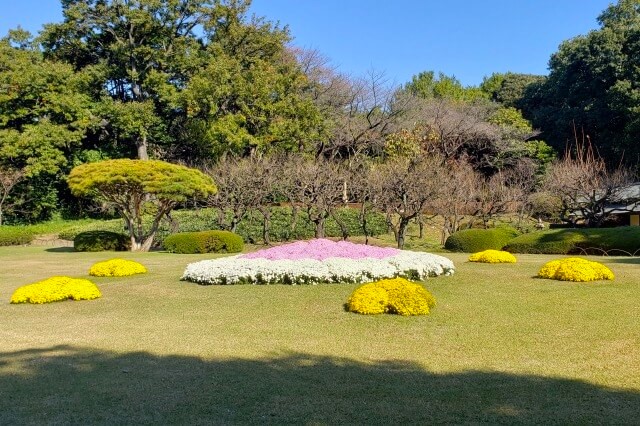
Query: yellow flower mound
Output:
(575,269)
(117,268)
(492,256)
(393,296)
(55,289)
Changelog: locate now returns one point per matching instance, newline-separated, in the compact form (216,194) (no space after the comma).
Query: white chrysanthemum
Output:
(237,270)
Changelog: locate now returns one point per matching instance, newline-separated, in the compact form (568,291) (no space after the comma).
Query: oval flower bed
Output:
(575,269)
(393,296)
(55,289)
(318,261)
(117,268)
(492,256)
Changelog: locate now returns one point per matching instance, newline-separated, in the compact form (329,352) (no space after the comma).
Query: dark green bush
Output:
(15,236)
(624,240)
(475,240)
(101,241)
(204,242)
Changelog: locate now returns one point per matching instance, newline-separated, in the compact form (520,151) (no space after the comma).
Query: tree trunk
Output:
(266,224)
(363,222)
(319,227)
(142,148)
(344,230)
(294,219)
(391,225)
(402,230)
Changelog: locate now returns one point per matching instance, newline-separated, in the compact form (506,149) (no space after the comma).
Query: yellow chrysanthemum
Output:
(117,268)
(492,256)
(395,296)
(575,269)
(55,289)
(368,299)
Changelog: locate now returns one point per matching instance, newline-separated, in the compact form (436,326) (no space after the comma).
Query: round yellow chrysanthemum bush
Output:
(55,289)
(393,296)
(492,256)
(575,269)
(117,268)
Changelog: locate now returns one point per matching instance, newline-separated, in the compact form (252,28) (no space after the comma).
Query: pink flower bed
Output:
(322,249)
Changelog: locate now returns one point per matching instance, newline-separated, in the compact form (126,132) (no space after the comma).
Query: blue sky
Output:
(466,38)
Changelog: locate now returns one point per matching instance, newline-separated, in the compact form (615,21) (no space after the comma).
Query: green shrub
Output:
(622,240)
(15,236)
(475,240)
(101,241)
(204,242)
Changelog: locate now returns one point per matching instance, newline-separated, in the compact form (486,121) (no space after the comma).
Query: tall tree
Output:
(509,88)
(427,85)
(594,86)
(138,50)
(180,78)
(44,116)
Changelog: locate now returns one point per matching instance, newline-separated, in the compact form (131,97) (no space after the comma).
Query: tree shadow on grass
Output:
(66,384)
(61,250)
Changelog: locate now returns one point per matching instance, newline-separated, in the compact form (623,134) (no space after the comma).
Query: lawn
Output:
(500,347)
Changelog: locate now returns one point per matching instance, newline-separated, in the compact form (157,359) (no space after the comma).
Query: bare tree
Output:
(359,111)
(235,196)
(9,178)
(458,130)
(264,184)
(587,188)
(456,197)
(493,197)
(402,187)
(363,193)
(317,185)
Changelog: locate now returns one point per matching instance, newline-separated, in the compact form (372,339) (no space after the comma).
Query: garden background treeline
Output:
(208,85)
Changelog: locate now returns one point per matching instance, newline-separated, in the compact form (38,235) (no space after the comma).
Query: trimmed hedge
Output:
(15,236)
(476,240)
(204,242)
(624,240)
(101,241)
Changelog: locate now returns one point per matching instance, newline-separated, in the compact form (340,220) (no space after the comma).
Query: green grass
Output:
(500,347)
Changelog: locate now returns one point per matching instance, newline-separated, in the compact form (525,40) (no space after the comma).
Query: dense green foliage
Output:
(475,240)
(15,235)
(593,88)
(43,117)
(204,242)
(427,85)
(615,241)
(184,81)
(138,187)
(101,241)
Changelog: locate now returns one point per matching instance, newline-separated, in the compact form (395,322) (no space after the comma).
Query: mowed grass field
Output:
(500,347)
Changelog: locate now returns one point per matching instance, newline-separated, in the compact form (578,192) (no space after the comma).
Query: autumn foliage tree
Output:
(139,188)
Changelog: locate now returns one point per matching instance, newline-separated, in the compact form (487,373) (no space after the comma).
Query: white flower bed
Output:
(242,270)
